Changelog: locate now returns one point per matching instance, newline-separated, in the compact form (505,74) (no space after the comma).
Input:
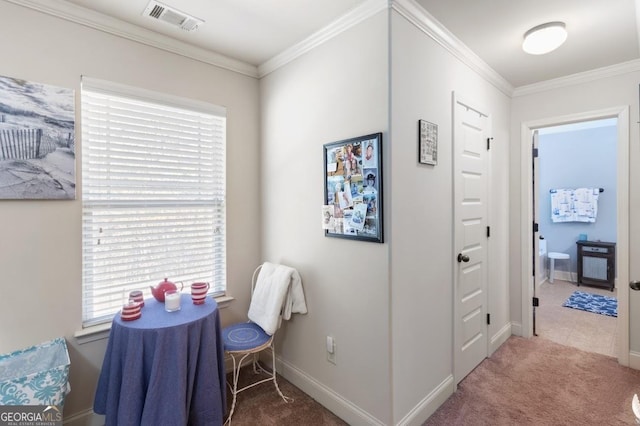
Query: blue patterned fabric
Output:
(595,303)
(37,375)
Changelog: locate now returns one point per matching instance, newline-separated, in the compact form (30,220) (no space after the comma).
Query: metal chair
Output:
(244,339)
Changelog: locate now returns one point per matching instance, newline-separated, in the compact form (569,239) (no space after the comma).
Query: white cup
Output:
(172,300)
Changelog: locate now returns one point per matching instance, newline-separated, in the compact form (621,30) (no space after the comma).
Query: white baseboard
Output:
(634,360)
(540,281)
(516,328)
(353,414)
(500,337)
(565,276)
(425,408)
(334,402)
(84,418)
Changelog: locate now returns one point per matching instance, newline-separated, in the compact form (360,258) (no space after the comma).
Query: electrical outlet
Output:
(331,350)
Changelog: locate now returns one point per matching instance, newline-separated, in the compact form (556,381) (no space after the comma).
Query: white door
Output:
(471,156)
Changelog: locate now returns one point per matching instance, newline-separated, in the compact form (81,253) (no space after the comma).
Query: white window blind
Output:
(153,193)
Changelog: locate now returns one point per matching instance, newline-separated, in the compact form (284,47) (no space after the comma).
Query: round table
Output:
(165,368)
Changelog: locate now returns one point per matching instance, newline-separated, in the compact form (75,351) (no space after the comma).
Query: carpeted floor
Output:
(571,327)
(261,405)
(525,382)
(539,382)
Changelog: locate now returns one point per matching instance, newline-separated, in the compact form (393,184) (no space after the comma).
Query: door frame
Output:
(622,243)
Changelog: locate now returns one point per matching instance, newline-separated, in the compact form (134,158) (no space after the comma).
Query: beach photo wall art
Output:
(37,141)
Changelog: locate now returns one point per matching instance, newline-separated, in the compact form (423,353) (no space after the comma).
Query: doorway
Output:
(622,231)
(577,155)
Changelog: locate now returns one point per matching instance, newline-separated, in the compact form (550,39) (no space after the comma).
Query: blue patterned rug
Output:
(603,305)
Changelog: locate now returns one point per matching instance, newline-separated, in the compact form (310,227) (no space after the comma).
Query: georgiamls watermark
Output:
(30,415)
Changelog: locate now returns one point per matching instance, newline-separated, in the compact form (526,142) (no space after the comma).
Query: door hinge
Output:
(489,143)
(534,152)
(488,231)
(535,227)
(488,319)
(536,302)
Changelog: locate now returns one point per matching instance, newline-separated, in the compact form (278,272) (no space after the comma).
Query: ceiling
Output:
(601,32)
(252,31)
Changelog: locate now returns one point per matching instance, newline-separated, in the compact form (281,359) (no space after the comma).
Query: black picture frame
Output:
(353,186)
(427,143)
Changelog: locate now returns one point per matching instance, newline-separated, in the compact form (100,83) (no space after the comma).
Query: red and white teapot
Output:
(166,285)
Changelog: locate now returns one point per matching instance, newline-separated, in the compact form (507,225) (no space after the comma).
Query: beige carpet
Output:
(525,382)
(539,382)
(261,405)
(572,327)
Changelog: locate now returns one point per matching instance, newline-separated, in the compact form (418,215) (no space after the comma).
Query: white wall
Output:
(424,76)
(337,91)
(389,306)
(361,293)
(40,248)
(582,97)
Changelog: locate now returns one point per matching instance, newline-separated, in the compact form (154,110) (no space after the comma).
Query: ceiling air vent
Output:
(171,16)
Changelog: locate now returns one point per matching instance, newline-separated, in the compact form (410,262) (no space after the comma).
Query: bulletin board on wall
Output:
(353,188)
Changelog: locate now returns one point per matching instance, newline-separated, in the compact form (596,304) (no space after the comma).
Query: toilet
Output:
(553,256)
(541,266)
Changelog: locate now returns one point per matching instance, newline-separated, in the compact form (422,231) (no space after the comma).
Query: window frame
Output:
(101,87)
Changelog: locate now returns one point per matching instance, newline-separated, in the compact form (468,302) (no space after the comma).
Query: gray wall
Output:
(583,158)
(40,248)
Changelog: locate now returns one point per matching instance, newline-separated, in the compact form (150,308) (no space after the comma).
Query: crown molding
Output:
(579,78)
(350,19)
(415,14)
(429,25)
(89,18)
(409,9)
(637,7)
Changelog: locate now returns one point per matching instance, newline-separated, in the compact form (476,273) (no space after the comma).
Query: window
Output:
(153,192)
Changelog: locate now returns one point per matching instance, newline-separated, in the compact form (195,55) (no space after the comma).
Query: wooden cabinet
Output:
(597,264)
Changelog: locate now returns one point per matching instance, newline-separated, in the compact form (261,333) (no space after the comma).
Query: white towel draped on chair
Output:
(278,294)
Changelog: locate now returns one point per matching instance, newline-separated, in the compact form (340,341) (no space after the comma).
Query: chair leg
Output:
(256,368)
(234,386)
(275,380)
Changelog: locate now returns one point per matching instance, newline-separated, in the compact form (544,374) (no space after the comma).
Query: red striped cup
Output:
(199,293)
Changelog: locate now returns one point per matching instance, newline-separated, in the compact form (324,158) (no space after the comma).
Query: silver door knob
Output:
(635,285)
(463,258)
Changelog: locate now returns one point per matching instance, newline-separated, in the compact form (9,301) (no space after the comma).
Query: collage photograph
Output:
(352,185)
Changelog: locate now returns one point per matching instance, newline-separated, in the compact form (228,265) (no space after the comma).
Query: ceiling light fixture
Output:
(544,38)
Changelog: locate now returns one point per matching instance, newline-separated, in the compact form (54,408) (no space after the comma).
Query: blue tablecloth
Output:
(166,368)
